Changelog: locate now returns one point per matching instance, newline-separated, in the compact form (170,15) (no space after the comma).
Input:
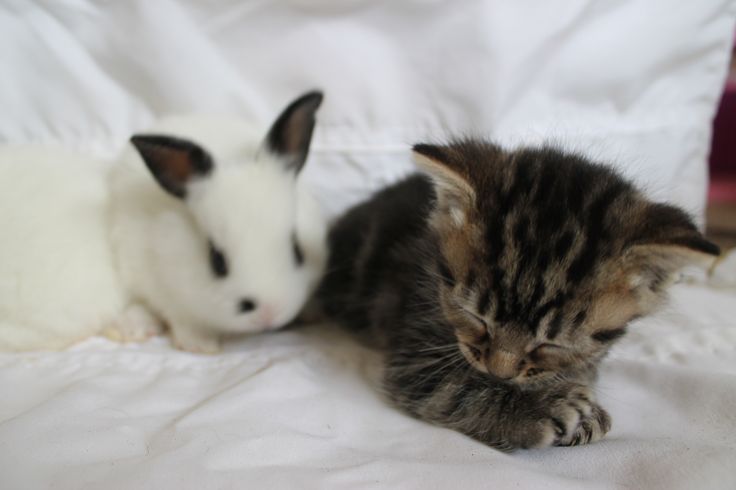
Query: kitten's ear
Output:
(291,133)
(668,241)
(173,162)
(455,195)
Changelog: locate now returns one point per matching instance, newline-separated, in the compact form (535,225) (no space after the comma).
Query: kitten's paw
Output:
(135,324)
(567,414)
(591,428)
(195,342)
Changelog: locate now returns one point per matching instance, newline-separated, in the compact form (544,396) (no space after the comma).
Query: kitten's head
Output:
(547,257)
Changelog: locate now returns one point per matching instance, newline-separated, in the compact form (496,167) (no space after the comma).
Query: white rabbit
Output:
(209,231)
(58,283)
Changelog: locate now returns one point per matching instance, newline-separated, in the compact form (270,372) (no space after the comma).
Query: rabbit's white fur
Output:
(86,250)
(249,206)
(58,283)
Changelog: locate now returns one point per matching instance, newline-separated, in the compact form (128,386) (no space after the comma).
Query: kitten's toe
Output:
(567,415)
(592,428)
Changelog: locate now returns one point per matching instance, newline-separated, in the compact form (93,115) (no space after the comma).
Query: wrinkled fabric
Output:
(632,82)
(302,408)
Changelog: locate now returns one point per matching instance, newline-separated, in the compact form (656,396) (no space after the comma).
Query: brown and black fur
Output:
(496,282)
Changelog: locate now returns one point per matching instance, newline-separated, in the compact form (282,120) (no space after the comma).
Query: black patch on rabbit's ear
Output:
(172,161)
(291,133)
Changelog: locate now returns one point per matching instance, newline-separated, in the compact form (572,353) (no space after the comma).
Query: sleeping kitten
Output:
(497,283)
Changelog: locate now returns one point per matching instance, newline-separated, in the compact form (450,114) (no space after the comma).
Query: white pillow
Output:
(633,82)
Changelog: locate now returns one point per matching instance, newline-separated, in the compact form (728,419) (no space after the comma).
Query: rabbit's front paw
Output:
(135,324)
(194,341)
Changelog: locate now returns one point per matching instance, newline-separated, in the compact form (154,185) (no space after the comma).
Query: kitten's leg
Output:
(135,324)
(501,415)
(193,339)
(561,415)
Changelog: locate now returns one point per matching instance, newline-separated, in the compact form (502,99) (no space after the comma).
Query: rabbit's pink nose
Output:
(268,315)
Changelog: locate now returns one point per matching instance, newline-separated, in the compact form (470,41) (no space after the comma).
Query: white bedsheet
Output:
(300,409)
(632,81)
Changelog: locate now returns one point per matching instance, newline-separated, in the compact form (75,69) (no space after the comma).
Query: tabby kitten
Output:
(497,281)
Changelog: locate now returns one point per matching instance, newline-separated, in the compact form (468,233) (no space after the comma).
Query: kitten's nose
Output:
(502,364)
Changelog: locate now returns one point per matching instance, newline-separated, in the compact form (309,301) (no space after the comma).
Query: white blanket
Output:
(634,82)
(300,409)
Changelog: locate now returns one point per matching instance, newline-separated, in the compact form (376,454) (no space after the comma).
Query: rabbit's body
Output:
(58,283)
(209,240)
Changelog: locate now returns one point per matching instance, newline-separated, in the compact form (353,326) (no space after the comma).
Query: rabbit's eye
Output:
(218,262)
(298,253)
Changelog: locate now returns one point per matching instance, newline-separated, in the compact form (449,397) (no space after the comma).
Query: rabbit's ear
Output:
(291,133)
(174,162)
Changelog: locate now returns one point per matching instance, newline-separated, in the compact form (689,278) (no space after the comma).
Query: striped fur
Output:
(496,281)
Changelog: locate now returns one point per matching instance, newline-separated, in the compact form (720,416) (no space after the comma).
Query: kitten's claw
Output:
(573,420)
(592,428)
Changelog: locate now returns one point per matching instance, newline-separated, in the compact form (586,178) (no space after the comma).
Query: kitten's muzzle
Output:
(502,364)
(498,363)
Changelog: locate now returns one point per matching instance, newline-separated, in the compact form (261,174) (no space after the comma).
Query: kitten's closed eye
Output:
(546,350)
(534,371)
(549,348)
(475,317)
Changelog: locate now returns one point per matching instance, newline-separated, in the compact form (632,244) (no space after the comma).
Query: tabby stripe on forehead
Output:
(538,292)
(579,319)
(525,172)
(605,336)
(484,302)
(494,229)
(543,260)
(562,247)
(555,326)
(555,302)
(547,180)
(521,229)
(519,282)
(586,259)
(576,185)
(498,275)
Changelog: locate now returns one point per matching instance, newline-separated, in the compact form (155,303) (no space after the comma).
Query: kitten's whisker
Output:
(438,348)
